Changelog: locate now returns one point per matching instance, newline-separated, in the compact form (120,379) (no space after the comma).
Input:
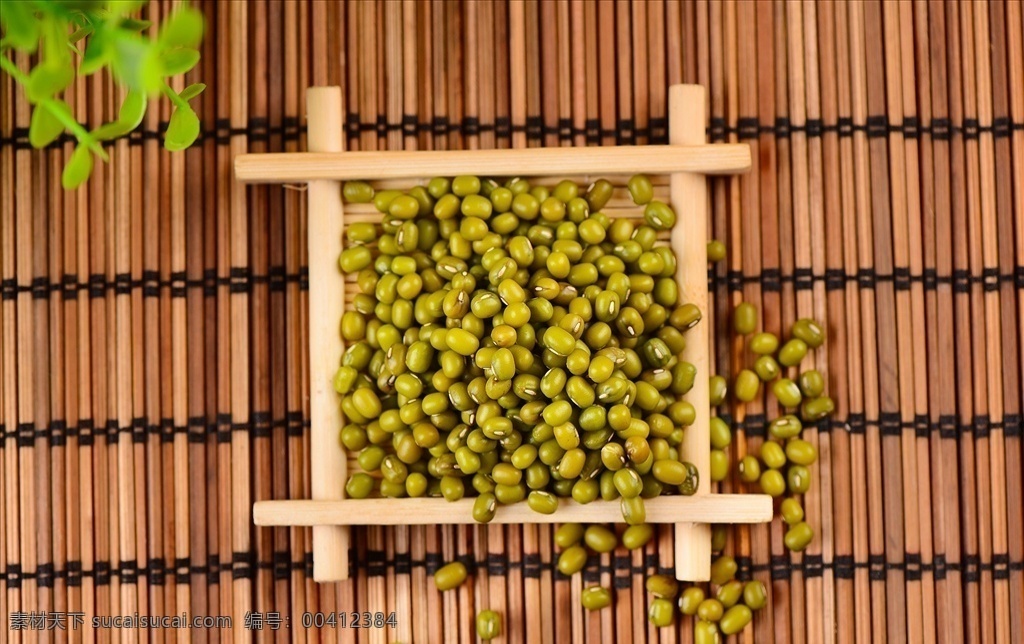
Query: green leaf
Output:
(47,80)
(133,108)
(97,54)
(21,29)
(193,90)
(183,28)
(78,168)
(131,24)
(108,131)
(179,61)
(137,65)
(81,33)
(183,129)
(44,127)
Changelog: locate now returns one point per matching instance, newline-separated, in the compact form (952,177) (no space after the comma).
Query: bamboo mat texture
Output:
(153,351)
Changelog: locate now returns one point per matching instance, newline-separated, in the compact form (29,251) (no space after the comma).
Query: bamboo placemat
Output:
(153,369)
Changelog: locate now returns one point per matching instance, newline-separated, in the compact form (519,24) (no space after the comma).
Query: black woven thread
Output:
(1012,425)
(843,566)
(375,563)
(780,568)
(876,567)
(258,129)
(912,565)
(971,568)
(813,566)
(242,280)
(242,564)
(889,423)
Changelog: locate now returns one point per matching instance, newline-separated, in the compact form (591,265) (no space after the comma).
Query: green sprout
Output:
(75,38)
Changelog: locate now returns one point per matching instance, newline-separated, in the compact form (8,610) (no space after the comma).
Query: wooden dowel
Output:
(283,167)
(700,508)
(689,239)
(330,545)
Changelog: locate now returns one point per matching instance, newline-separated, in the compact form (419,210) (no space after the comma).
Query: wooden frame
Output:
(685,160)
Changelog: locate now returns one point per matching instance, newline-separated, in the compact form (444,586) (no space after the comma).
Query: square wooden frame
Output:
(686,160)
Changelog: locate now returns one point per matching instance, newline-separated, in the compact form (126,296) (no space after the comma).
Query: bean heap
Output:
(515,340)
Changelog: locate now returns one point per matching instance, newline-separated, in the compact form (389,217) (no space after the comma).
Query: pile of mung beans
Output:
(513,340)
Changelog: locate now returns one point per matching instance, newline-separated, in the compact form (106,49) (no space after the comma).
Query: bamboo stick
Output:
(1015,489)
(990,398)
(948,534)
(901,213)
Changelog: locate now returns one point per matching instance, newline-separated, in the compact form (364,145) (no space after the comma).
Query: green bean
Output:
(633,510)
(744,318)
(816,409)
(749,469)
(542,502)
(747,385)
(628,483)
(661,613)
(719,533)
(710,610)
(355,259)
(662,586)
(595,598)
(723,569)
(572,560)
(735,619)
(359,486)
(640,189)
(452,488)
(637,536)
(719,465)
(785,427)
(450,576)
(792,512)
(812,383)
(585,491)
(809,332)
(717,390)
(787,392)
(484,508)
(773,455)
(764,343)
(509,494)
(730,592)
(798,479)
(801,452)
(792,352)
(416,484)
(569,534)
(755,595)
(798,537)
(766,368)
(659,215)
(690,599)
(357,192)
(716,251)
(670,472)
(488,623)
(773,483)
(706,633)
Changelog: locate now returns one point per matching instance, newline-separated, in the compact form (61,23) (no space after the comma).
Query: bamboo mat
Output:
(153,366)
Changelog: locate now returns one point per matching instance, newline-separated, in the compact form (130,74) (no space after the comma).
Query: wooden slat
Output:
(291,167)
(718,508)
